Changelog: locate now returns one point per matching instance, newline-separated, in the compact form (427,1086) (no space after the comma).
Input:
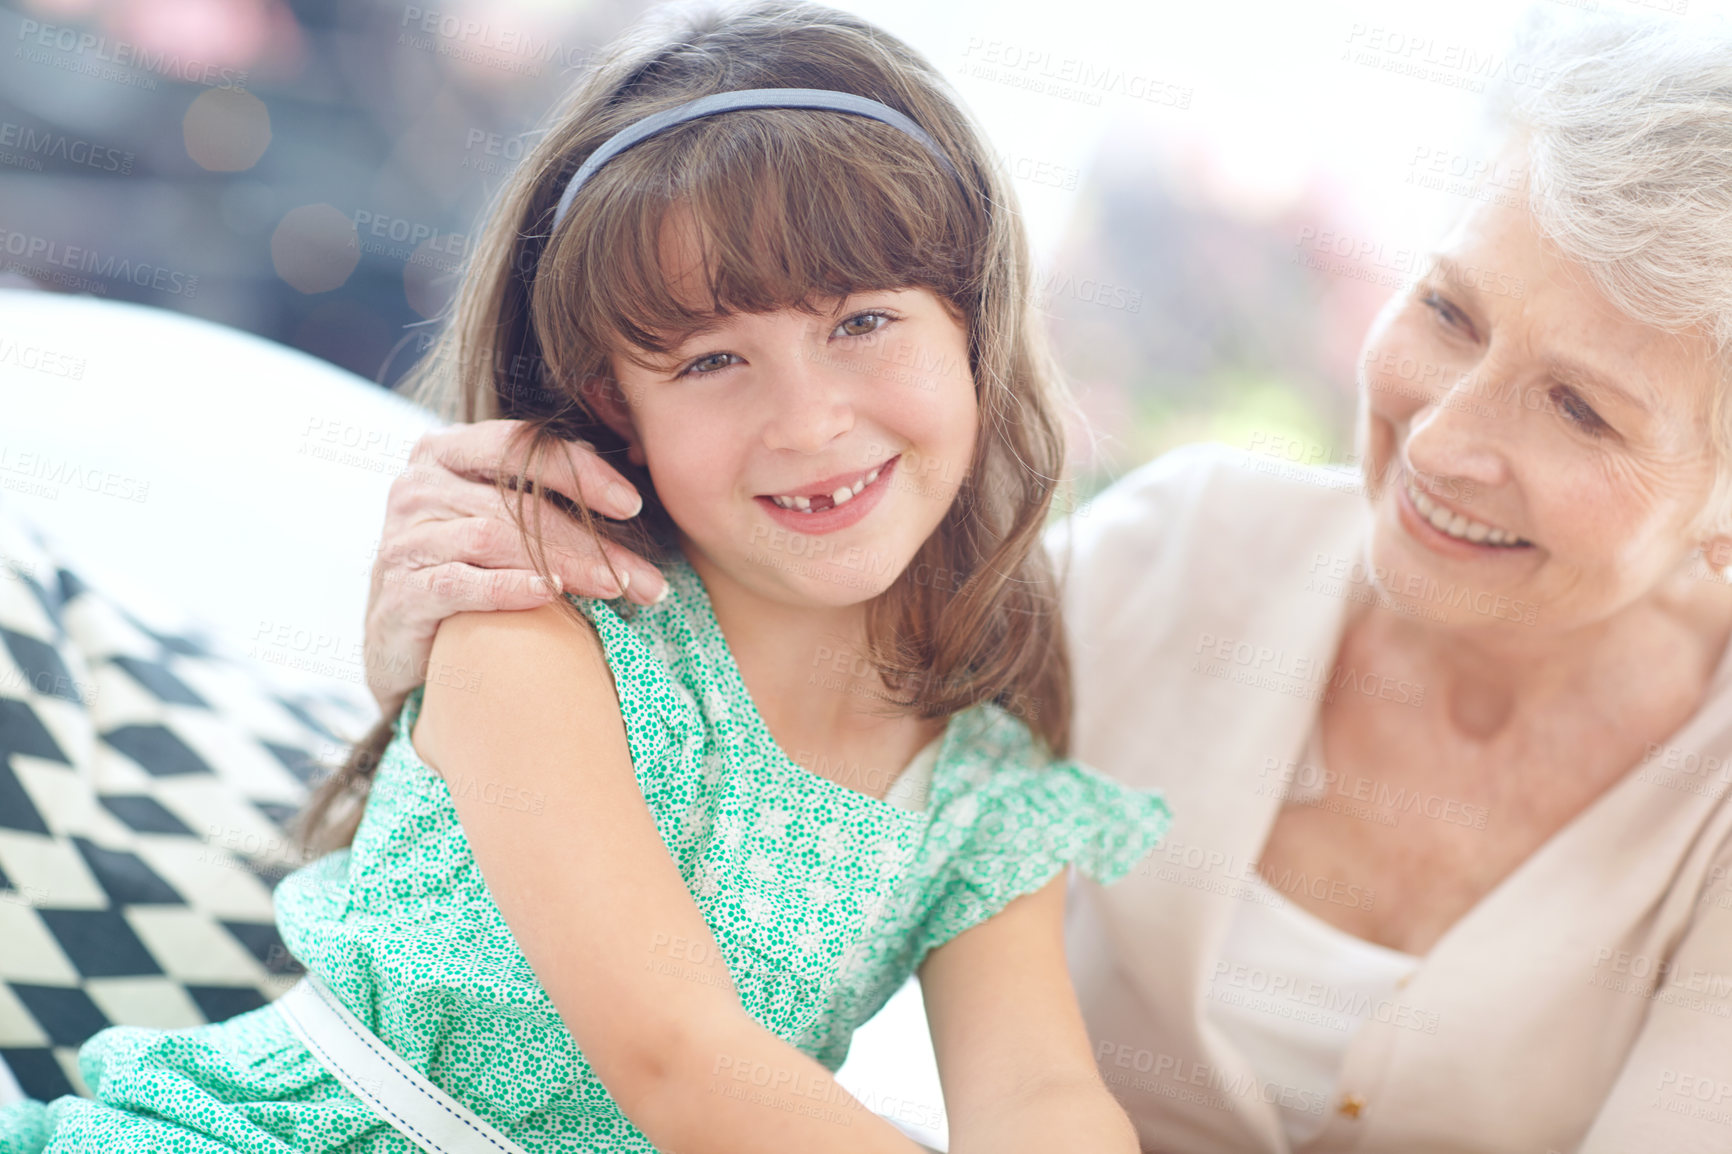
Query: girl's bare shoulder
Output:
(539,670)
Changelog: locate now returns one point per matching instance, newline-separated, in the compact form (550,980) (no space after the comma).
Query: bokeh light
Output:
(315,248)
(226,130)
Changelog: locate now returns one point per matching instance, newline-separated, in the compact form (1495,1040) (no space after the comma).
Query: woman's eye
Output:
(1577,411)
(710,363)
(1447,312)
(861,325)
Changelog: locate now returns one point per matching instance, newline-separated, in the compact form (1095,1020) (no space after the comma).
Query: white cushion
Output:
(185,466)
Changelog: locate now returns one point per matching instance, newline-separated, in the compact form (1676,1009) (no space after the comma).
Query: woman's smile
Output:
(1428,518)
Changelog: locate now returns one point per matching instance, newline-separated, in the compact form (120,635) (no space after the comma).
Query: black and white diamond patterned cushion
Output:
(144,786)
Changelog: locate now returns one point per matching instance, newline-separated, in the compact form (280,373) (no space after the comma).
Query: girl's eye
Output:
(709,363)
(862,325)
(1446,312)
(1577,411)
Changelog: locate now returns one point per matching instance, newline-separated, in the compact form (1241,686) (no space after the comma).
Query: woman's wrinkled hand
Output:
(450,545)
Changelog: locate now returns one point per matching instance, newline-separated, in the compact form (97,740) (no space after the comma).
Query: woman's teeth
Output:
(1456,525)
(840,497)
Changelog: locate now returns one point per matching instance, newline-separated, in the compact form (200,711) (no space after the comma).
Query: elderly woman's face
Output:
(1534,456)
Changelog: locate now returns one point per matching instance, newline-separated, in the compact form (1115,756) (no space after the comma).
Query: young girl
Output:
(633,880)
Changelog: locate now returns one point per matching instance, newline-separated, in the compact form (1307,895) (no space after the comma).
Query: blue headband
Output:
(819,98)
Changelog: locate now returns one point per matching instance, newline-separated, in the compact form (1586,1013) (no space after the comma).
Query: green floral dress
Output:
(822,899)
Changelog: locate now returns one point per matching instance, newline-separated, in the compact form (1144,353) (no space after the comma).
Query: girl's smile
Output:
(833,503)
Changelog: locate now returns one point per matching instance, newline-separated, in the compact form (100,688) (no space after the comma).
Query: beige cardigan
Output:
(1583,1005)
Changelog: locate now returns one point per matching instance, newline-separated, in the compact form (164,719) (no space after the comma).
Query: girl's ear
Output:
(607,398)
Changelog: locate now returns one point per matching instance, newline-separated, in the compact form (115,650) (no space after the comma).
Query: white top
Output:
(1290,991)
(1204,598)
(911,786)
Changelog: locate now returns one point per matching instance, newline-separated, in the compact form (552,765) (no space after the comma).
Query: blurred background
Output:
(1220,194)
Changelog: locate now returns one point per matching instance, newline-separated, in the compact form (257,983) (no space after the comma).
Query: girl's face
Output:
(806,456)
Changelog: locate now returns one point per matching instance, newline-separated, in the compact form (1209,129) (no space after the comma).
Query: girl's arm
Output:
(597,904)
(1013,1054)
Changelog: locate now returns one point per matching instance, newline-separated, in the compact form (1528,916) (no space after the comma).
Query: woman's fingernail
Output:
(626,500)
(605,579)
(541,585)
(661,594)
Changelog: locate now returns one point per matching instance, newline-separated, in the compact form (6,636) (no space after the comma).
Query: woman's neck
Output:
(1649,656)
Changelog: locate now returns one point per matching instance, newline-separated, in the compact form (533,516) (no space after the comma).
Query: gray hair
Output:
(1628,130)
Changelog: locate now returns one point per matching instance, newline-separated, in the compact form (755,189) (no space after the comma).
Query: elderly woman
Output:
(1452,864)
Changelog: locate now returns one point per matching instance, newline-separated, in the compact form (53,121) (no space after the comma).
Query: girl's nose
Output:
(807,403)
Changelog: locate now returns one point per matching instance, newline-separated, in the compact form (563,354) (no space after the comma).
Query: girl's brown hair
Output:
(794,208)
